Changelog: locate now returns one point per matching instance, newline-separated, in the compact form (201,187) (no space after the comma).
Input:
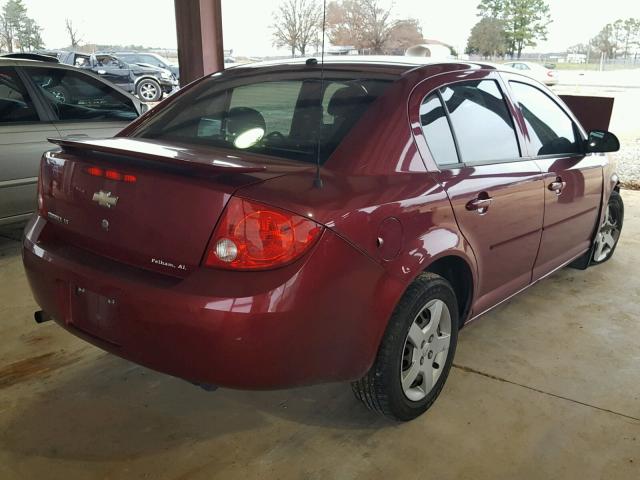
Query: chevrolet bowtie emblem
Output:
(104,199)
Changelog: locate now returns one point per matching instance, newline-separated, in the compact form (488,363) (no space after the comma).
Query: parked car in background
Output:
(43,56)
(147,82)
(147,58)
(39,100)
(536,71)
(292,223)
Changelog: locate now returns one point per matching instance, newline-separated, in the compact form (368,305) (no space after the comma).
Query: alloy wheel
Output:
(607,235)
(148,91)
(425,350)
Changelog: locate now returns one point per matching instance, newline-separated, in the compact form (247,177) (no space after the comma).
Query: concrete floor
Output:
(546,386)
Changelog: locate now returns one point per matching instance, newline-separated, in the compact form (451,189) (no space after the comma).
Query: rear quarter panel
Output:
(376,187)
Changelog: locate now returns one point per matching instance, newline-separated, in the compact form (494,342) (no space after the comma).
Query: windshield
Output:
(289,118)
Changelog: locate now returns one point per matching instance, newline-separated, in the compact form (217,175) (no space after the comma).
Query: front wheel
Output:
(148,90)
(609,231)
(416,352)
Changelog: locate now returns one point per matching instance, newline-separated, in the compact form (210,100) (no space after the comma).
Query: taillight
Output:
(111,174)
(253,236)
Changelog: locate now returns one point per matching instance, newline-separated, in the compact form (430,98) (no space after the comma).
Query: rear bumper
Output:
(317,320)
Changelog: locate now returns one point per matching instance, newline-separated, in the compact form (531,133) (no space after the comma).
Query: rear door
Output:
(573,180)
(496,194)
(23,140)
(80,104)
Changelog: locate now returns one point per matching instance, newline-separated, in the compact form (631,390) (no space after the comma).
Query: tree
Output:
(345,23)
(296,24)
(29,37)
(17,29)
(378,25)
(368,25)
(605,42)
(404,34)
(618,38)
(525,21)
(13,15)
(629,34)
(74,36)
(488,38)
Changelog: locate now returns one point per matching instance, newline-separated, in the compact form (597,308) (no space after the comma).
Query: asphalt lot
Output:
(545,386)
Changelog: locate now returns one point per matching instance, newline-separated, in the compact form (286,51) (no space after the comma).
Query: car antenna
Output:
(317,181)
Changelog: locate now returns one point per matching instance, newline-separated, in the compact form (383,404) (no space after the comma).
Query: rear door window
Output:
(15,103)
(289,118)
(75,96)
(481,122)
(437,131)
(550,129)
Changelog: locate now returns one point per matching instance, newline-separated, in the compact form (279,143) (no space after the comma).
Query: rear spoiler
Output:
(170,155)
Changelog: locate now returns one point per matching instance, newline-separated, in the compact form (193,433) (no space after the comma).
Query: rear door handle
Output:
(480,204)
(557,185)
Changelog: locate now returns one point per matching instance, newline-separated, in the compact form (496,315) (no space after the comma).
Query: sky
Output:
(246,23)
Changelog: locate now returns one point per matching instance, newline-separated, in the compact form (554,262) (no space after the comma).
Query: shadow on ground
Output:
(110,409)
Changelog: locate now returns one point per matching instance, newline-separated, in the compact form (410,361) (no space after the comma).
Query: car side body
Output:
(149,58)
(389,211)
(24,132)
(128,76)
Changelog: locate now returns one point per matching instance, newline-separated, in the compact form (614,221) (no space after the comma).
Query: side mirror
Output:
(601,141)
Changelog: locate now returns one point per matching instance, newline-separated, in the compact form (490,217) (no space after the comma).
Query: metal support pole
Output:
(199,32)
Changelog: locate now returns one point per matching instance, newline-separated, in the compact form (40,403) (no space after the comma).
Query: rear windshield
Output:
(290,118)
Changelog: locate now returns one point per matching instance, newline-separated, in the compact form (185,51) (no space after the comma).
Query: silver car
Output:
(39,100)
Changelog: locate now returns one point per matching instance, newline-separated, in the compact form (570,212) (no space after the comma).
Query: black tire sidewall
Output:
(403,317)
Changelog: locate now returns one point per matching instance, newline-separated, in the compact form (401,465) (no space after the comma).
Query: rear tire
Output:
(416,352)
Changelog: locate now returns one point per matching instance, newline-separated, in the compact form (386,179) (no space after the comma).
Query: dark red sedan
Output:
(286,224)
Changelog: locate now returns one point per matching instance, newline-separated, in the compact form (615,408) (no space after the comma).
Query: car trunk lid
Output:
(141,203)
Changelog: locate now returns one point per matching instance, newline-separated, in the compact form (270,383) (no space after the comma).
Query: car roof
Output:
(400,64)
